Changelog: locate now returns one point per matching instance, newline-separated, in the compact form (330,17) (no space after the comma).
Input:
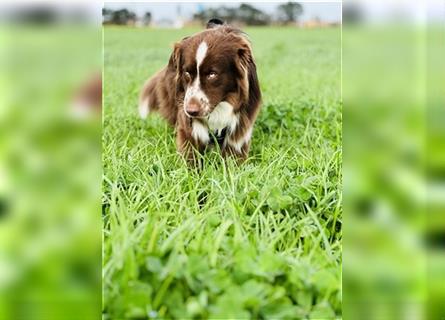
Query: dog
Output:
(209,92)
(87,100)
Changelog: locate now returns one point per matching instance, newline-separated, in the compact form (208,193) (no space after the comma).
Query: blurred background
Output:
(180,15)
(50,170)
(394,164)
(393,186)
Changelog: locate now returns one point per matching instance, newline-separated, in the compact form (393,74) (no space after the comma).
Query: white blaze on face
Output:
(201,54)
(195,91)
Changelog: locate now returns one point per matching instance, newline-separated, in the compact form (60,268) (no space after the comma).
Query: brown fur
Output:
(230,54)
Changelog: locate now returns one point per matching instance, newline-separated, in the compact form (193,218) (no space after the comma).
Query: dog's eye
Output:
(212,75)
(187,76)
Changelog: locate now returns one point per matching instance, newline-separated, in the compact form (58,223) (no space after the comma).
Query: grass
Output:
(261,240)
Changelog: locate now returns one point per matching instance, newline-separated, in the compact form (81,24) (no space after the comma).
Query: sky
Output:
(326,11)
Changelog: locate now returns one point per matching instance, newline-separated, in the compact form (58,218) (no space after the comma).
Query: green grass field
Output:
(261,240)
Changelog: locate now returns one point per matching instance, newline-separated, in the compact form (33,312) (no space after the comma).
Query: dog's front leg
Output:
(238,152)
(188,147)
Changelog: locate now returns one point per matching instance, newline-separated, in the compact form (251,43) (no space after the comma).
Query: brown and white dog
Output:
(209,91)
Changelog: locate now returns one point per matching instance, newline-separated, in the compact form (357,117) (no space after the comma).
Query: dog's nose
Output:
(193,113)
(192,109)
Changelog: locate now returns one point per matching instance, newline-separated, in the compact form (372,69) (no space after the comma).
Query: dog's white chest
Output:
(221,117)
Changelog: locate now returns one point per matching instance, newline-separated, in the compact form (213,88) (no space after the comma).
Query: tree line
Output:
(247,14)
(122,16)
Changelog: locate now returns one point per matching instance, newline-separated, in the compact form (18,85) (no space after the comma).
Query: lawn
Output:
(261,240)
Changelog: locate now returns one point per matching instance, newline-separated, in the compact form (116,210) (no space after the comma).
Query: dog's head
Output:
(212,65)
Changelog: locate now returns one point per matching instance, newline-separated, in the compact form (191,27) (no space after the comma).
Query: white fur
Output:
(200,132)
(237,145)
(201,54)
(144,109)
(81,109)
(221,117)
(195,91)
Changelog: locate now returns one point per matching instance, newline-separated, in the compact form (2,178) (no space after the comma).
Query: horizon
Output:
(325,11)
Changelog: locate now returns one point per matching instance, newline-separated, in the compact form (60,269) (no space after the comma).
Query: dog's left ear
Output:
(248,80)
(245,54)
(243,64)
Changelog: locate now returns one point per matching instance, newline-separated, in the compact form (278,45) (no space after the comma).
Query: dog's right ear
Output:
(174,65)
(214,23)
(175,58)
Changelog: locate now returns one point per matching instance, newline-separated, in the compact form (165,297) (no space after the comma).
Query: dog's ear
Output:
(243,64)
(175,58)
(244,52)
(247,75)
(214,23)
(174,65)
